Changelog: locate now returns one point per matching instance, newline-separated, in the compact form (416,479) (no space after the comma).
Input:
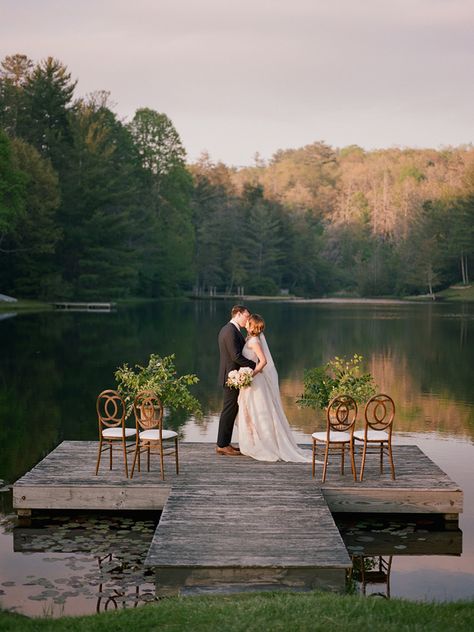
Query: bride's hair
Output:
(255,325)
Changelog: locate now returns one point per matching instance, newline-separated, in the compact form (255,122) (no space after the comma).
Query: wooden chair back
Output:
(379,413)
(111,409)
(148,411)
(341,414)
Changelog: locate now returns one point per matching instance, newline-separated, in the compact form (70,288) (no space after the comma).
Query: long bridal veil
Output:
(270,372)
(266,351)
(264,431)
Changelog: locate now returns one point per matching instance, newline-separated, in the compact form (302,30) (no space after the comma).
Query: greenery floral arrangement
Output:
(159,376)
(340,376)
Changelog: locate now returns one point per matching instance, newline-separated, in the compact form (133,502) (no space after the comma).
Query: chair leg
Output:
(364,454)
(162,463)
(98,456)
(314,456)
(381,458)
(137,452)
(391,459)
(176,454)
(148,451)
(343,452)
(353,467)
(125,458)
(326,456)
(110,455)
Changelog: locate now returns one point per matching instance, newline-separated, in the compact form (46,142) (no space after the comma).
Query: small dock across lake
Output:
(233,520)
(84,307)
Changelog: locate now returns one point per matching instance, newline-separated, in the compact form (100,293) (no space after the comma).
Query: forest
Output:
(96,207)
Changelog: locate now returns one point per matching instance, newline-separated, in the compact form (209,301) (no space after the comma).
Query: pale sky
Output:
(247,76)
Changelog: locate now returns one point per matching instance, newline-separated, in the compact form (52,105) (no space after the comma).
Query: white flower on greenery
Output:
(241,378)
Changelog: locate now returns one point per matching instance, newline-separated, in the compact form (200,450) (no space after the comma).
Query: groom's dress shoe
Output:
(234,448)
(227,451)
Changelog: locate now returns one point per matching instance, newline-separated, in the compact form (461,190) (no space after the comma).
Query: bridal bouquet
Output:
(240,378)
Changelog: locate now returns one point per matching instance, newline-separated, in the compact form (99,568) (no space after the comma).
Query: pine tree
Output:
(15,71)
(98,254)
(48,97)
(12,210)
(167,256)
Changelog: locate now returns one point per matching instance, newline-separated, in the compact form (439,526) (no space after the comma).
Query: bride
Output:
(264,432)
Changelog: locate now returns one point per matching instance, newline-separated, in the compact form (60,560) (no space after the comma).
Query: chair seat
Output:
(372,435)
(334,437)
(116,433)
(154,435)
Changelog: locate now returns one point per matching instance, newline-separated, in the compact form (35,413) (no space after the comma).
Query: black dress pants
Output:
(229,412)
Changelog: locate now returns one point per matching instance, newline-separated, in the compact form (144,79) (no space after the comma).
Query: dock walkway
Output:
(234,520)
(248,522)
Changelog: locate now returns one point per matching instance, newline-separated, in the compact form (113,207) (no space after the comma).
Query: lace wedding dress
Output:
(264,431)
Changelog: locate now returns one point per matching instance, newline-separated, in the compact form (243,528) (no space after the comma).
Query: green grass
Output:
(457,293)
(25,305)
(265,612)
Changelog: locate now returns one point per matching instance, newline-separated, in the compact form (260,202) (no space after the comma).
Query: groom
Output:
(231,343)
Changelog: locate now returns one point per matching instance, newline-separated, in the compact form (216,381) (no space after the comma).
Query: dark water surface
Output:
(52,366)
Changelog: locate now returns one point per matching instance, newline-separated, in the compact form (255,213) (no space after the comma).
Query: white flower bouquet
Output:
(240,378)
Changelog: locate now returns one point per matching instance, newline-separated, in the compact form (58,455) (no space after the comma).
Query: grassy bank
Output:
(20,305)
(457,293)
(264,612)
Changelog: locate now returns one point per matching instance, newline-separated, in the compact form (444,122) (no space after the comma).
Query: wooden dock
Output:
(233,520)
(248,525)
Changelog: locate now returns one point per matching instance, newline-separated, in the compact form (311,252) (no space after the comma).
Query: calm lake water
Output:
(53,365)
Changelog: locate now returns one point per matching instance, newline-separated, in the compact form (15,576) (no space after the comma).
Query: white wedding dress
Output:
(264,431)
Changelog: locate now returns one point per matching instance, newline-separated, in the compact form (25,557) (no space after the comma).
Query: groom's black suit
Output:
(231,343)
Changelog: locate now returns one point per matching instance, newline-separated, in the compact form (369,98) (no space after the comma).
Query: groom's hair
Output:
(238,309)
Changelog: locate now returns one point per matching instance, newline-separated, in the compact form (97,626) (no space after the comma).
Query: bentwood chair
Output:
(377,433)
(340,419)
(111,413)
(151,435)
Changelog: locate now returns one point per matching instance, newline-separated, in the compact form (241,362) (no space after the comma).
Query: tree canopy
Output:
(95,207)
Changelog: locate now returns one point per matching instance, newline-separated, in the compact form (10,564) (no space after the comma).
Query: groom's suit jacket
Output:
(231,343)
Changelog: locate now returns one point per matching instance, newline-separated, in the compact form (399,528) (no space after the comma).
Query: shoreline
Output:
(450,295)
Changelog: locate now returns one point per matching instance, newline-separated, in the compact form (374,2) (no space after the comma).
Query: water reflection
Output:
(376,543)
(53,365)
(81,563)
(372,571)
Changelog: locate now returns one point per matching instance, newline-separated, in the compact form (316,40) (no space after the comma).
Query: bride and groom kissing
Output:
(264,431)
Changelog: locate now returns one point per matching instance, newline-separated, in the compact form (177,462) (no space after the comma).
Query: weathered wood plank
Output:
(79,496)
(376,500)
(65,480)
(271,532)
(246,531)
